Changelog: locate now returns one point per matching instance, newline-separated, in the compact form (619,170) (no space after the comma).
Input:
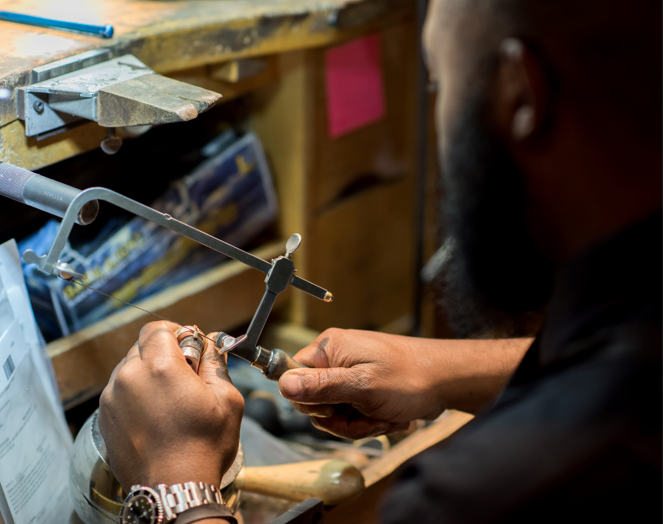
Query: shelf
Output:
(168,37)
(222,298)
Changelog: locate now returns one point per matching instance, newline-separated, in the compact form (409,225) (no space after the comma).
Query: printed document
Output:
(35,443)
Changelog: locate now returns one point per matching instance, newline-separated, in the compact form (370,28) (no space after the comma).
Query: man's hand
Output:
(163,423)
(392,380)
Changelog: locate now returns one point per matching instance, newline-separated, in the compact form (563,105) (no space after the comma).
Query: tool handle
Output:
(333,481)
(43,193)
(281,362)
(105,31)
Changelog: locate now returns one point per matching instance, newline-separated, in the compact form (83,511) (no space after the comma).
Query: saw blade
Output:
(78,283)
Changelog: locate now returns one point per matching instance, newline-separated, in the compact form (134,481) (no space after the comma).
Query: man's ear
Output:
(522,91)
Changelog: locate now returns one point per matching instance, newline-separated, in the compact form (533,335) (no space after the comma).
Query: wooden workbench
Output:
(168,36)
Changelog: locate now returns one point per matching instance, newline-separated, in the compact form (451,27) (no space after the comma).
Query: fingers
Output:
(356,428)
(158,343)
(323,386)
(315,410)
(314,355)
(213,366)
(214,373)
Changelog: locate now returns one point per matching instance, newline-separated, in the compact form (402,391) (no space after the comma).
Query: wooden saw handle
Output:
(333,481)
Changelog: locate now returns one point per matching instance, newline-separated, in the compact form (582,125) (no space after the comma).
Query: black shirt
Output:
(576,436)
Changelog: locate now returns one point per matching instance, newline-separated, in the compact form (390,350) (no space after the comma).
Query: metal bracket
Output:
(114,92)
(67,90)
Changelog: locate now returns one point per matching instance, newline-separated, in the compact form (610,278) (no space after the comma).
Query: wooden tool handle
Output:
(333,481)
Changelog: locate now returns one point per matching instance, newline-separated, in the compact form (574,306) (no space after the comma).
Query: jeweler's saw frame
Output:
(75,206)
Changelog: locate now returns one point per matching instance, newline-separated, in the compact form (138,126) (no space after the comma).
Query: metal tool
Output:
(105,31)
(190,340)
(114,92)
(43,193)
(280,272)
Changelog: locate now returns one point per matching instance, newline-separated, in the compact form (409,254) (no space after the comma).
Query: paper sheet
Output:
(354,85)
(35,444)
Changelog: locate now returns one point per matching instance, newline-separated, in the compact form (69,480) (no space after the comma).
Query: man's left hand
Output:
(163,423)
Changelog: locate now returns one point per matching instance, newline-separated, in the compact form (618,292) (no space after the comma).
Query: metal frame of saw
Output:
(280,273)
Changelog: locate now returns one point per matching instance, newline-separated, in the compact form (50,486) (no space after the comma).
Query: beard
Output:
(495,281)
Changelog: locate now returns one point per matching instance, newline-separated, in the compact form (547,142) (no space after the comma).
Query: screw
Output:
(38,106)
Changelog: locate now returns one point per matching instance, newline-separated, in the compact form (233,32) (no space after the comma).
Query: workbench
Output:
(351,197)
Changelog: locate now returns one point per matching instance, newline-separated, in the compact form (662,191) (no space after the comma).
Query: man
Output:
(549,120)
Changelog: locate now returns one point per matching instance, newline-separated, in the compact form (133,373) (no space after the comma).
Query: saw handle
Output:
(281,362)
(43,193)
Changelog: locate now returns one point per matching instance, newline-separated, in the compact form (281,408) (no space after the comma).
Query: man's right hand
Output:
(392,380)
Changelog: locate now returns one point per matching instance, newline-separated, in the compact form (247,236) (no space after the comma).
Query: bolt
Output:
(38,106)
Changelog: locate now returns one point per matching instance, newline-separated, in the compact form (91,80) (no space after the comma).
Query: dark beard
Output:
(495,279)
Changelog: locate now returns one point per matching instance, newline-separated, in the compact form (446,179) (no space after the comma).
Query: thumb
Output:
(322,386)
(158,344)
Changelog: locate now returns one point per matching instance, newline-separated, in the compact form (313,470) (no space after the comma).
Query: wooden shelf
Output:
(222,298)
(168,37)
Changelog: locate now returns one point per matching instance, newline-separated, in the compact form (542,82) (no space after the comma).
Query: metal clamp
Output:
(115,92)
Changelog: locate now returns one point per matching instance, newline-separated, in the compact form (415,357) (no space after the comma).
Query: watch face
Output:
(141,506)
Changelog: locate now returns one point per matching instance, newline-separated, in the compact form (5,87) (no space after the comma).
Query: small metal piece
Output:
(262,358)
(219,341)
(112,143)
(69,64)
(190,340)
(328,297)
(38,106)
(67,272)
(186,331)
(227,343)
(292,244)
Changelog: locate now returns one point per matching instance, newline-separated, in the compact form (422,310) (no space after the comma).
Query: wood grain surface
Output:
(173,35)
(332,481)
(419,441)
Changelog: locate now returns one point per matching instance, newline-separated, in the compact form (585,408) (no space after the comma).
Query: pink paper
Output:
(354,84)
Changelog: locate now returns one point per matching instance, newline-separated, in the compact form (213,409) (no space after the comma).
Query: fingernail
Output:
(323,411)
(291,385)
(380,429)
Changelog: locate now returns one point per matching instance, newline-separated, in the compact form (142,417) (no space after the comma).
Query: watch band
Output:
(205,512)
(181,497)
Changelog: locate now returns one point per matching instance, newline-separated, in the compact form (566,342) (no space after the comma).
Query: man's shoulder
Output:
(569,430)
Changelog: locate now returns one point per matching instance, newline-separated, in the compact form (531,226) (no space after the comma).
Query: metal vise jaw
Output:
(115,92)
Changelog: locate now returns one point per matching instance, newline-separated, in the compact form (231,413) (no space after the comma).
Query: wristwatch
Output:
(163,504)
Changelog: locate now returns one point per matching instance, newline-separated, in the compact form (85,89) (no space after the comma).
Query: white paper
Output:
(13,284)
(35,443)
